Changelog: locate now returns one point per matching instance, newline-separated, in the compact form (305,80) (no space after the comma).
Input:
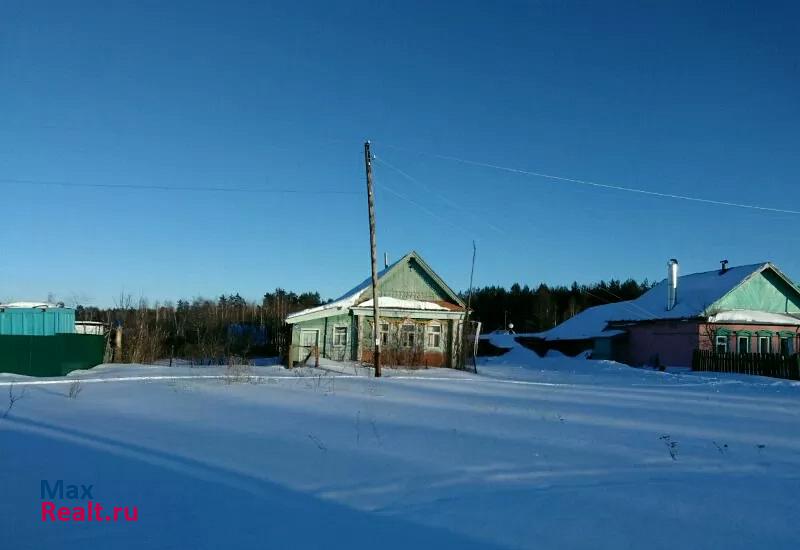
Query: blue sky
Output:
(700,99)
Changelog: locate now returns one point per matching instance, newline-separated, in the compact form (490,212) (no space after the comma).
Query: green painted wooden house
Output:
(420,320)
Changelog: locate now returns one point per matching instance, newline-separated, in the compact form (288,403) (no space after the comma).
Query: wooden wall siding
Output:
(409,282)
(766,291)
(325,327)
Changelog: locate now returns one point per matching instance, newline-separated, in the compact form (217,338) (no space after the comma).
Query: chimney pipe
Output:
(385,260)
(724,264)
(672,283)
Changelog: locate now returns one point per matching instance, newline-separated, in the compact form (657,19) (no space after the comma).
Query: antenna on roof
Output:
(724,268)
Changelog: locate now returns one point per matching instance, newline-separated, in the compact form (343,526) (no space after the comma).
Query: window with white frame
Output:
(407,335)
(434,336)
(764,344)
(339,336)
(787,345)
(384,334)
(721,344)
(743,344)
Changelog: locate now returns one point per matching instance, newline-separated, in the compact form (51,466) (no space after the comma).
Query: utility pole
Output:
(469,306)
(374,257)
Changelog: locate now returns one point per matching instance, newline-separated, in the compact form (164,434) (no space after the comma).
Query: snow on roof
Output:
(350,298)
(397,303)
(29,305)
(752,316)
(696,293)
(590,323)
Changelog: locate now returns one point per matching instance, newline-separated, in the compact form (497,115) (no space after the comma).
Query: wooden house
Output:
(744,309)
(421,320)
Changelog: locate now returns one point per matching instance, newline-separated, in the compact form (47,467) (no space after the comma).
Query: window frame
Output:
(340,330)
(747,341)
(384,334)
(721,340)
(406,330)
(789,345)
(768,340)
(437,335)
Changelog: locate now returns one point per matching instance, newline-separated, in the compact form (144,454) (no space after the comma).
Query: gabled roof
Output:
(697,295)
(362,292)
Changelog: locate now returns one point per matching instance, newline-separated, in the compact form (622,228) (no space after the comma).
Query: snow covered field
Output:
(530,453)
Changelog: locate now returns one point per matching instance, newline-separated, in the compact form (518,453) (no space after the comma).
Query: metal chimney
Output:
(672,283)
(724,264)
(385,260)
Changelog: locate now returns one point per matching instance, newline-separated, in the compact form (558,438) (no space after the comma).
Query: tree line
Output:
(201,330)
(541,308)
(216,330)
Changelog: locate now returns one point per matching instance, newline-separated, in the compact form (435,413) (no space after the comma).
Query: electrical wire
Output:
(600,185)
(433,191)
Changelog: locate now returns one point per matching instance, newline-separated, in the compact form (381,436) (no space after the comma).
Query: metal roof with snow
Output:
(699,295)
(361,295)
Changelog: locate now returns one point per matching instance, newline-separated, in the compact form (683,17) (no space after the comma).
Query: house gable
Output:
(409,278)
(767,290)
(412,279)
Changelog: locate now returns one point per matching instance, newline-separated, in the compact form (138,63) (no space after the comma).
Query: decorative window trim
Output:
(429,334)
(765,332)
(722,332)
(747,337)
(768,340)
(724,342)
(405,333)
(744,333)
(786,334)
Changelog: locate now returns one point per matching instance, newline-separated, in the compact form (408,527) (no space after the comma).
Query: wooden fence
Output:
(761,364)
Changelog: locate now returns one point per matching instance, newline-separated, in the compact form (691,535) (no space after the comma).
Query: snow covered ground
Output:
(529,453)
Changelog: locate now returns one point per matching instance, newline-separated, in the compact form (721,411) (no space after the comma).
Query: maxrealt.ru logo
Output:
(90,511)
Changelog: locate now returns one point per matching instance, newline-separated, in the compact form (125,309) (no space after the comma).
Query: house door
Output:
(309,338)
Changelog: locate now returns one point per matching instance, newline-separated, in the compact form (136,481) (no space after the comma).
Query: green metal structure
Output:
(54,355)
(41,341)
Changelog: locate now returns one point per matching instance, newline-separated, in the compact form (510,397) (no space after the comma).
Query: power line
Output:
(431,190)
(419,205)
(150,187)
(600,185)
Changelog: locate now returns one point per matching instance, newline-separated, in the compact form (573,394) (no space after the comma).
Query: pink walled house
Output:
(745,309)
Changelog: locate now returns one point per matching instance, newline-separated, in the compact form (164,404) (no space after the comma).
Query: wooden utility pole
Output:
(376,330)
